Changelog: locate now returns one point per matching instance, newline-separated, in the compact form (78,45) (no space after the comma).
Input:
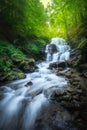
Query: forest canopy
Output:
(65,16)
(42,18)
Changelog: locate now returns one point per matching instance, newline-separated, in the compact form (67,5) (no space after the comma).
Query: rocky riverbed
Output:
(74,97)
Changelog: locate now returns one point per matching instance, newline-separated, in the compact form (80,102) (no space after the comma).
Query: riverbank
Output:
(16,60)
(73,98)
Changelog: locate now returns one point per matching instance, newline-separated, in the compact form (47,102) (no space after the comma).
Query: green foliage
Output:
(34,47)
(29,18)
(20,75)
(24,17)
(66,15)
(8,53)
(9,50)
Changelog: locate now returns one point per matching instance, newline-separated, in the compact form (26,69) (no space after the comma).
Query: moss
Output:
(21,75)
(13,75)
(31,61)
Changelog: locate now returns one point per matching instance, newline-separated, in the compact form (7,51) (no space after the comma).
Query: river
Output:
(26,104)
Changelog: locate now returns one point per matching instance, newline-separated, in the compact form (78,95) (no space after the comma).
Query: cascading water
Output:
(57,50)
(21,105)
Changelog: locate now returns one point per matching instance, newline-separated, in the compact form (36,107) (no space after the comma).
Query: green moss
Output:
(31,60)
(21,75)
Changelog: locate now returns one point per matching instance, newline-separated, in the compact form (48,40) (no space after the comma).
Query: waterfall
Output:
(57,50)
(20,105)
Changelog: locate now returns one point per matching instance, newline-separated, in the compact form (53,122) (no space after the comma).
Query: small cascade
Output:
(57,50)
(22,106)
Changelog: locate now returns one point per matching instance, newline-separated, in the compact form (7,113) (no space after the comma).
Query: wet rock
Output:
(74,55)
(54,92)
(27,65)
(62,64)
(79,91)
(77,79)
(53,65)
(75,83)
(29,84)
(60,69)
(85,74)
(55,117)
(68,75)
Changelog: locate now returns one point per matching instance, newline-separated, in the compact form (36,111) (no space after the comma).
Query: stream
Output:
(26,104)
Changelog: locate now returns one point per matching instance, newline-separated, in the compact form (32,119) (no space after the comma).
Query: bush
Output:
(8,53)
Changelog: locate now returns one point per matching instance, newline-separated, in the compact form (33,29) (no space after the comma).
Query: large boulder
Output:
(29,84)
(58,65)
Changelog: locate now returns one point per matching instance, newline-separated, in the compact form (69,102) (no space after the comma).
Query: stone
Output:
(54,92)
(34,93)
(68,75)
(75,83)
(85,74)
(53,65)
(29,84)
(62,64)
(60,68)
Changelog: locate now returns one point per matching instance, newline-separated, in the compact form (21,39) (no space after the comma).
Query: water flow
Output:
(57,50)
(32,110)
(17,97)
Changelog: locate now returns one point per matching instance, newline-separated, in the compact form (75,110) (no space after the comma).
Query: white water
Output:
(62,50)
(14,94)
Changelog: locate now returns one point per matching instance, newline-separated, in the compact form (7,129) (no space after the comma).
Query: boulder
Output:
(53,65)
(62,64)
(29,84)
(59,65)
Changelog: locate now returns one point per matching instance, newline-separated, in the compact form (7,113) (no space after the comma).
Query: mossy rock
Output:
(13,75)
(32,61)
(21,75)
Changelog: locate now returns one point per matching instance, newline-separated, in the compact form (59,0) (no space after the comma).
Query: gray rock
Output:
(29,84)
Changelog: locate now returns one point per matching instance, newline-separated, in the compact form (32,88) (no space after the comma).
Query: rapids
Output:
(20,105)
